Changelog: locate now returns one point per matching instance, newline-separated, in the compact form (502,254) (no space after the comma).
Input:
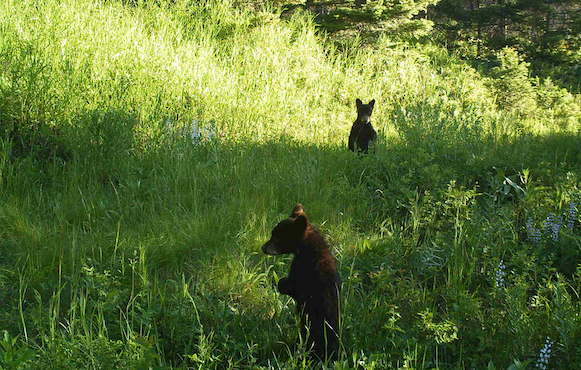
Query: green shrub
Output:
(511,83)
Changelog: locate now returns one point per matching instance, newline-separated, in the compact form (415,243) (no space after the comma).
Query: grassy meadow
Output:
(148,150)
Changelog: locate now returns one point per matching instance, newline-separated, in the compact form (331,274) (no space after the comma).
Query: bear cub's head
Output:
(364,110)
(288,234)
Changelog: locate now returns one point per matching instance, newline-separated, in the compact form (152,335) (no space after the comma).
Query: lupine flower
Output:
(534,234)
(572,215)
(530,226)
(538,238)
(545,354)
(500,274)
(556,227)
(197,134)
(194,131)
(549,221)
(552,226)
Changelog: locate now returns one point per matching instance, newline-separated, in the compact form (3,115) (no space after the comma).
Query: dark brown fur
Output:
(362,133)
(313,281)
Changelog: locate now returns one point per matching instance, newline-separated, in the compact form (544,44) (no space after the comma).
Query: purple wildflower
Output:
(572,215)
(500,274)
(545,354)
(534,234)
(549,221)
(555,228)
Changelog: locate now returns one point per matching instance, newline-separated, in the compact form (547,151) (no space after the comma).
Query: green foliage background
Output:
(148,149)
(546,33)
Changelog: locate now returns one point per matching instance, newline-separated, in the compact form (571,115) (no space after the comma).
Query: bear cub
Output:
(361,132)
(313,281)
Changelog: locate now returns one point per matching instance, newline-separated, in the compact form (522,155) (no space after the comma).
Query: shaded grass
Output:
(136,249)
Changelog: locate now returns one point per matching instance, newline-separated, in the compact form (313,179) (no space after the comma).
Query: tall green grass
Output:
(126,242)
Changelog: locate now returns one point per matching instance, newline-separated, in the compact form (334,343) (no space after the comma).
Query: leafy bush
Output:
(511,83)
(558,104)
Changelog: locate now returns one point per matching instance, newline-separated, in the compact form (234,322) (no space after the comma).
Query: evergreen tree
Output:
(394,16)
(533,26)
(511,83)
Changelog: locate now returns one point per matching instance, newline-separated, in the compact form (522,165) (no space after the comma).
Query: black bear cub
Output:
(361,132)
(313,281)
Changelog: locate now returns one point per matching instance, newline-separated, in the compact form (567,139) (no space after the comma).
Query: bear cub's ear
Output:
(372,103)
(298,210)
(358,102)
(300,223)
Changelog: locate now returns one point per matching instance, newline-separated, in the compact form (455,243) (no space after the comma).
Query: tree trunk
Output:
(501,27)
(479,31)
(358,3)
(548,19)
